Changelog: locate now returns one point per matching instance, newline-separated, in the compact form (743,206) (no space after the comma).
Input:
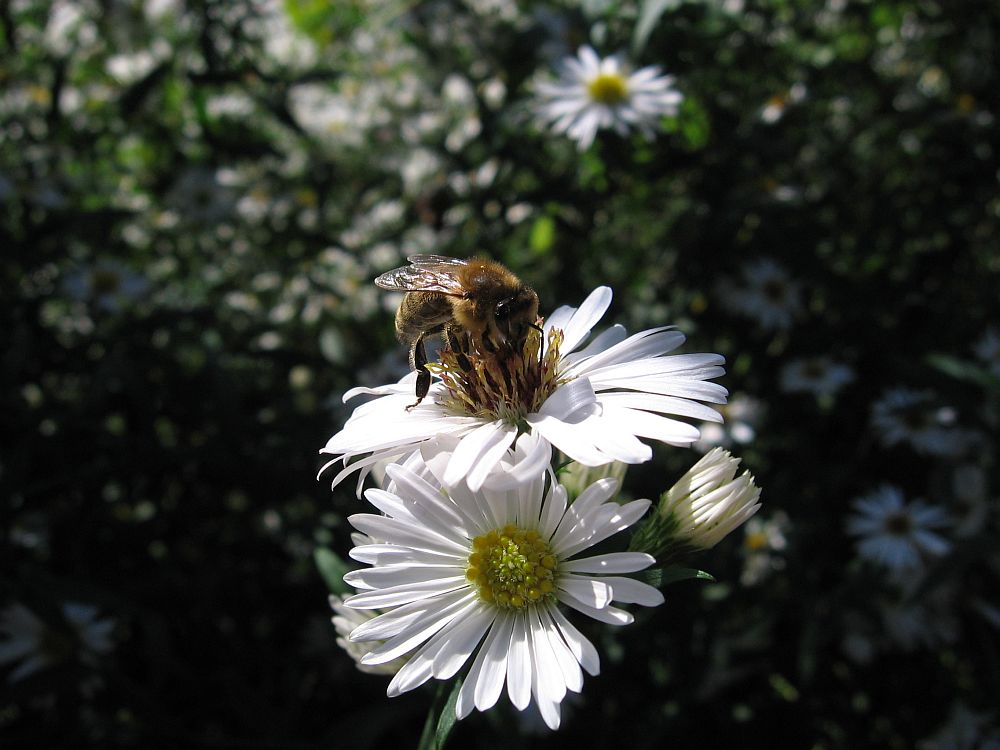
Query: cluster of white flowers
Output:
(478,550)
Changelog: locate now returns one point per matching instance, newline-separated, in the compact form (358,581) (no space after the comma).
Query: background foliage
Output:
(194,198)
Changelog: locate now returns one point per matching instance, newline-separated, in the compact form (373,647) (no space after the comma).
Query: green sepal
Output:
(660,577)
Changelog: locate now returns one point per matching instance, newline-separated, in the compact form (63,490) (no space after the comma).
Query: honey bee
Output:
(473,303)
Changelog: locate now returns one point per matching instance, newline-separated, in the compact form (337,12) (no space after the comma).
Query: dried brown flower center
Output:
(507,385)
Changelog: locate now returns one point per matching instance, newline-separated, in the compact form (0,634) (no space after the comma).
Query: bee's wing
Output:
(427,273)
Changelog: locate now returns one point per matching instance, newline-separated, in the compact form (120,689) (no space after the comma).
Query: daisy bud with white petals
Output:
(702,507)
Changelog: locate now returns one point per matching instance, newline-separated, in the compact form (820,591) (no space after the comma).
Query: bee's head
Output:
(515,314)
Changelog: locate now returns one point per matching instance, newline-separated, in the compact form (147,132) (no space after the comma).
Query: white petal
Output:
(394,596)
(588,501)
(412,674)
(573,401)
(620,518)
(519,664)
(652,402)
(568,665)
(577,643)
(417,633)
(602,341)
(489,447)
(574,440)
(552,511)
(653,426)
(405,534)
(392,554)
(612,562)
(478,674)
(536,457)
(631,591)
(494,668)
(462,642)
(609,615)
(639,346)
(687,366)
(589,592)
(592,310)
(388,624)
(549,681)
(426,504)
(385,576)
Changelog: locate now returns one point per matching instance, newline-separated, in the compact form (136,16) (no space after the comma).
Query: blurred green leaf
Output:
(441,718)
(332,568)
(543,233)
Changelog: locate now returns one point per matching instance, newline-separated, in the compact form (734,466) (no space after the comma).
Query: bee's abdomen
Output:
(420,313)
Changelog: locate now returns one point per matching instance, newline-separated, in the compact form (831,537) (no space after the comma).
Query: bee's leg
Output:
(456,346)
(418,359)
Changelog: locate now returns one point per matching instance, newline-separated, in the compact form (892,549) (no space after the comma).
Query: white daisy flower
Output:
(820,376)
(598,94)
(905,415)
(896,534)
(767,294)
(591,402)
(710,501)
(489,573)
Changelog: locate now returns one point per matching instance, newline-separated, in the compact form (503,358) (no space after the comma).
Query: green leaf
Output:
(441,718)
(332,568)
(648,18)
(660,577)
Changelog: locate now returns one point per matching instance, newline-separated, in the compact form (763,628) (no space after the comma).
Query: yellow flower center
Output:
(608,88)
(512,567)
(756,541)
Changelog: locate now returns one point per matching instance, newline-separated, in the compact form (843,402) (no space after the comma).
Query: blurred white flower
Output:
(905,415)
(346,620)
(987,349)
(971,503)
(108,284)
(24,642)
(592,403)
(489,573)
(710,501)
(894,533)
(598,94)
(33,644)
(741,417)
(965,729)
(820,376)
(763,542)
(927,623)
(767,294)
